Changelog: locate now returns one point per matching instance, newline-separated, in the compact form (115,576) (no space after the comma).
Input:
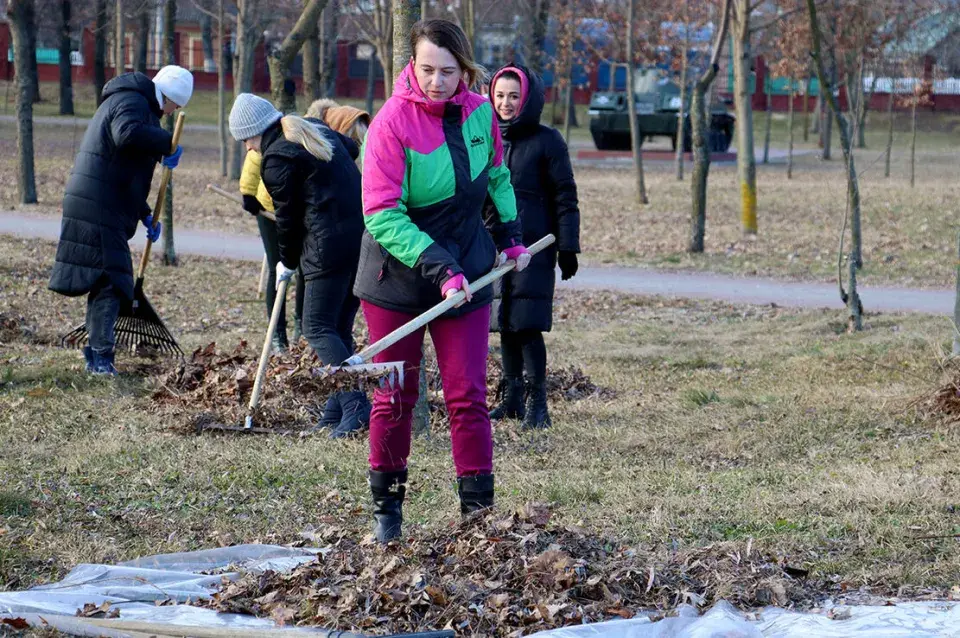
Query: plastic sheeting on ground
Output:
(134,588)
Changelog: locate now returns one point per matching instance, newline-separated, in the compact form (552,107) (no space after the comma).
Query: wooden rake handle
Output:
(162,193)
(265,352)
(368,353)
(233,197)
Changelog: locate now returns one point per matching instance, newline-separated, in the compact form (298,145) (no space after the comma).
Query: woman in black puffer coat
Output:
(547,203)
(310,174)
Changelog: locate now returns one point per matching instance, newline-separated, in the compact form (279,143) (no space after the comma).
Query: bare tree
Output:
(169,31)
(635,140)
(312,79)
(741,11)
(66,77)
(142,39)
(406,13)
(100,50)
(222,88)
(330,23)
(374,20)
(119,61)
(684,67)
(250,25)
(22,15)
(855,259)
(698,123)
(279,60)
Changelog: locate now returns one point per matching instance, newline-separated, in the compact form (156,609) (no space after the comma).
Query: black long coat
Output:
(106,194)
(543,181)
(318,204)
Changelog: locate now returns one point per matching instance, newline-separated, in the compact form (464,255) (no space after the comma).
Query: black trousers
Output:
(524,350)
(329,309)
(268,235)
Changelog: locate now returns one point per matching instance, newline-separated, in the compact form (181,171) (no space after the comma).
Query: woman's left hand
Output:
(519,254)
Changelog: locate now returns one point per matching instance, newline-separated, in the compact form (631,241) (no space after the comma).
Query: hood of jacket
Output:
(138,83)
(532,101)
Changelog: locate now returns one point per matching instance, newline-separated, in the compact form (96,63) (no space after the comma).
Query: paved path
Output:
(628,280)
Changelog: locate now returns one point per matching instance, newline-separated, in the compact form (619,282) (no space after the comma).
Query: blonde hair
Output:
(298,130)
(358,131)
(318,108)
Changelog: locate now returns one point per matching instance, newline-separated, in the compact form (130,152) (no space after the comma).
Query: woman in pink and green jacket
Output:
(431,156)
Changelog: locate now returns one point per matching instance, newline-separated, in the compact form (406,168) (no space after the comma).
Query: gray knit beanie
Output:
(251,116)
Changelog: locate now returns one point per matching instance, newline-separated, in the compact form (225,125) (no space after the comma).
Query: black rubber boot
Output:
(355,414)
(332,413)
(537,417)
(476,493)
(388,490)
(511,403)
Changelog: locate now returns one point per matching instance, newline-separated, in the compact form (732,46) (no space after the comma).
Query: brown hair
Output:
(449,36)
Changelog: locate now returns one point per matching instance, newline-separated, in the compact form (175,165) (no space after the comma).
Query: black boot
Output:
(537,417)
(388,490)
(332,413)
(476,493)
(355,414)
(511,403)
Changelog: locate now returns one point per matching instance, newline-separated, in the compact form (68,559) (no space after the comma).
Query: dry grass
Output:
(908,233)
(729,423)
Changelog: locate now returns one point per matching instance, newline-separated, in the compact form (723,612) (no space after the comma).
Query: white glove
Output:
(283,273)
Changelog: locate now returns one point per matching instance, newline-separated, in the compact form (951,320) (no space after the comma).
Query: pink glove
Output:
(454,283)
(519,254)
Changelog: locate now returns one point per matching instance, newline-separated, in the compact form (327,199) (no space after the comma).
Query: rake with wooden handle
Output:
(138,325)
(264,267)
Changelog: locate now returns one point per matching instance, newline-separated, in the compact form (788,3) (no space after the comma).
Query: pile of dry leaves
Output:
(563,384)
(15,327)
(214,385)
(502,575)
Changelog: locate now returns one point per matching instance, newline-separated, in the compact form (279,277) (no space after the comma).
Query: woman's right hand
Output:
(454,285)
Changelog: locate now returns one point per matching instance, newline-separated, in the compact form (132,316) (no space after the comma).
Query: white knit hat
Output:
(251,116)
(176,83)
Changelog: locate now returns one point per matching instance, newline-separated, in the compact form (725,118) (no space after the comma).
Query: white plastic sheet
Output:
(133,588)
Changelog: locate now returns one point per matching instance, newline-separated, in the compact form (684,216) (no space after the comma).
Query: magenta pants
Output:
(461,345)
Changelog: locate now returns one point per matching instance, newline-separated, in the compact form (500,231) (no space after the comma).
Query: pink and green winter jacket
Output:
(427,170)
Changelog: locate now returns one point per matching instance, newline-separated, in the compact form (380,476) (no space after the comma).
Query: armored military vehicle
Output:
(657,104)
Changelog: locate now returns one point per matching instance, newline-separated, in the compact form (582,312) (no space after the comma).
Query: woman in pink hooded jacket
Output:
(432,155)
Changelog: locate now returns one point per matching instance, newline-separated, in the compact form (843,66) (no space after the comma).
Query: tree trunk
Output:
(279,61)
(206,36)
(311,64)
(818,117)
(864,106)
(570,119)
(806,109)
(100,51)
(119,61)
(222,88)
(406,13)
(66,77)
(698,125)
(683,93)
(169,32)
(826,127)
(248,37)
(635,140)
(329,44)
(913,142)
(541,16)
(746,162)
(371,79)
(34,73)
(143,38)
(469,23)
(851,296)
(22,15)
(790,113)
(889,151)
(769,119)
(386,63)
(424,6)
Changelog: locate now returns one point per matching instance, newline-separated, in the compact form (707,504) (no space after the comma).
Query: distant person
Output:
(106,197)
(546,203)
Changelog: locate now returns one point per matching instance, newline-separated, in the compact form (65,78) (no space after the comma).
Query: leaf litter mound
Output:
(499,574)
(214,386)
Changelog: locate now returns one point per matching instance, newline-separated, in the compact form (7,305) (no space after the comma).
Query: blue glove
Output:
(171,161)
(153,234)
